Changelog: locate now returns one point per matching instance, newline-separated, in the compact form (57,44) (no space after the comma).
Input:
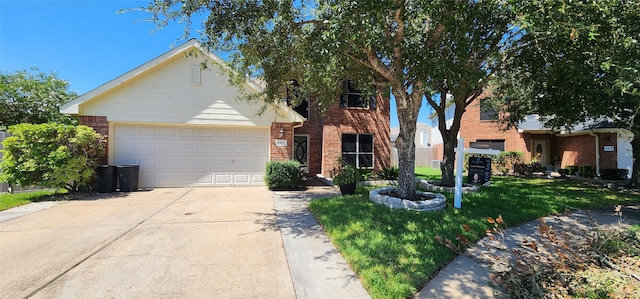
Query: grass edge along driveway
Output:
(394,252)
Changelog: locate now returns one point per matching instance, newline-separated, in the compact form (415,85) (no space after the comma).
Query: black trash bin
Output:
(128,177)
(107,181)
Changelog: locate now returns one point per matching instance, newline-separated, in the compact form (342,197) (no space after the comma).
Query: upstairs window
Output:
(303,107)
(486,111)
(354,98)
(357,150)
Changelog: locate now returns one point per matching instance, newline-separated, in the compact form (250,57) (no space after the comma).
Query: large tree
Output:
(576,61)
(419,49)
(30,96)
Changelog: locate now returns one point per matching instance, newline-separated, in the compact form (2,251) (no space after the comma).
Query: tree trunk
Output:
(406,160)
(407,106)
(635,171)
(448,159)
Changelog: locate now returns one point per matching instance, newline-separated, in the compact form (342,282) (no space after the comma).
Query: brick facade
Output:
(100,125)
(581,150)
(325,133)
(278,153)
(473,129)
(565,150)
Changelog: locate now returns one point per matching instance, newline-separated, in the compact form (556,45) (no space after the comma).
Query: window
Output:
(352,97)
(357,150)
(303,107)
(488,144)
(486,111)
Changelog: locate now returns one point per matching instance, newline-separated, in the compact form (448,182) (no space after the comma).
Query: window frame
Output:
(487,113)
(359,151)
(349,90)
(493,142)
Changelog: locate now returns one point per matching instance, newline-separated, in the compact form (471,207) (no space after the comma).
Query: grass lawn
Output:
(394,252)
(8,201)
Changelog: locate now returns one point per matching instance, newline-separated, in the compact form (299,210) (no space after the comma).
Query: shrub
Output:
(346,175)
(587,171)
(614,173)
(388,173)
(284,175)
(571,170)
(51,155)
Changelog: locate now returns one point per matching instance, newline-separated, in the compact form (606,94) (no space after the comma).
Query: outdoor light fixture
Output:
(281,133)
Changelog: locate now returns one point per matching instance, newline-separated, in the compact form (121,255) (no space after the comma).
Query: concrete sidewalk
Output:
(317,268)
(468,275)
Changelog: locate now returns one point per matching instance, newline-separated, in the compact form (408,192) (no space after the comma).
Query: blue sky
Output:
(86,42)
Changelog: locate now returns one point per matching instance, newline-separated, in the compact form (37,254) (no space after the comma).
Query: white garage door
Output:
(171,156)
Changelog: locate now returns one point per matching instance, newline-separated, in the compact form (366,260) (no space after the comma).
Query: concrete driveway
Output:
(164,243)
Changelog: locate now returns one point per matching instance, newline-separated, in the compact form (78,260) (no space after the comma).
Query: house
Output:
(597,144)
(182,123)
(354,129)
(425,153)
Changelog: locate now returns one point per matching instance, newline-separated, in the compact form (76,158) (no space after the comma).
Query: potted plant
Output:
(346,179)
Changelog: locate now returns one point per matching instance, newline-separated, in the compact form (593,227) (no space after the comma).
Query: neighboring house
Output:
(425,153)
(184,126)
(600,144)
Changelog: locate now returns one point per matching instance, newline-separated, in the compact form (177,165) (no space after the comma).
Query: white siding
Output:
(167,94)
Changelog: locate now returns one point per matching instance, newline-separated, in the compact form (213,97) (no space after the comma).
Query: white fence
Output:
(424,156)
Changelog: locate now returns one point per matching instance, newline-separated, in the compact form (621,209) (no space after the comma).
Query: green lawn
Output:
(8,201)
(395,253)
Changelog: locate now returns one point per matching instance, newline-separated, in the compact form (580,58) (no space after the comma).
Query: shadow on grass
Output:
(395,251)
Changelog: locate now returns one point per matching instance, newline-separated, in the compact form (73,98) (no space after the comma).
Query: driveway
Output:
(164,243)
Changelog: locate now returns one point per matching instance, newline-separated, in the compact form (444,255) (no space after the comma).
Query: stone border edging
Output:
(430,186)
(439,203)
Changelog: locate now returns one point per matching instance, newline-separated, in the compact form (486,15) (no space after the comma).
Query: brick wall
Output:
(279,153)
(581,150)
(608,159)
(473,129)
(100,125)
(313,128)
(338,121)
(325,133)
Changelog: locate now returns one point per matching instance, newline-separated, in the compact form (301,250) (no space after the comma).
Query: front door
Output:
(541,151)
(300,150)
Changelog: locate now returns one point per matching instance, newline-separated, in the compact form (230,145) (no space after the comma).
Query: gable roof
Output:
(73,107)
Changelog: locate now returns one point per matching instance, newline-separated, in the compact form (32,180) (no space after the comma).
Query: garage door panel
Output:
(224,133)
(192,156)
(222,179)
(147,131)
(174,147)
(125,131)
(165,131)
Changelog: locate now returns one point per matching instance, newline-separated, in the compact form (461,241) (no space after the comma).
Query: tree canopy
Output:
(32,97)
(418,49)
(576,61)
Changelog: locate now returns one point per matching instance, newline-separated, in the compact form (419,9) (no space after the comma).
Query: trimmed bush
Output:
(614,174)
(284,175)
(587,171)
(51,155)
